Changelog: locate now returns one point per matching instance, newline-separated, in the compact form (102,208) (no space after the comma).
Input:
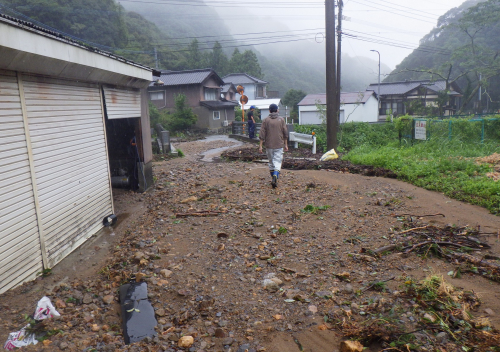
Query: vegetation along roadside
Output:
(460,164)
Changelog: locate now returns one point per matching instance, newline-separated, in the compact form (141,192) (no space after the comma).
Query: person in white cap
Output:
(274,135)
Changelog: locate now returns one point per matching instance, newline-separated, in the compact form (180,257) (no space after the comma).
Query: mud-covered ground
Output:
(303,159)
(239,266)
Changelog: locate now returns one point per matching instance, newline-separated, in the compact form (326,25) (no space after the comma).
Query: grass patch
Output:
(442,166)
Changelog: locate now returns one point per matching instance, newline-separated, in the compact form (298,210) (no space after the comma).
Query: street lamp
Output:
(378,93)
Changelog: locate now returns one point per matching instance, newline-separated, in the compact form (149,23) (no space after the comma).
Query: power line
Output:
(404,43)
(240,34)
(396,13)
(225,4)
(409,8)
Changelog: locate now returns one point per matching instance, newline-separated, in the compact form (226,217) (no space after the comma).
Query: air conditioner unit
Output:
(225,123)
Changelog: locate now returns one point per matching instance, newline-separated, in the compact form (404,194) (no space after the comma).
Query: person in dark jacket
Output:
(274,135)
(251,122)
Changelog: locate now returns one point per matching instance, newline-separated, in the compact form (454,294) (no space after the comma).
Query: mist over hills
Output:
(135,29)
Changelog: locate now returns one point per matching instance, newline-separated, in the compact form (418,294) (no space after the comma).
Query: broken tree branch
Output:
(198,213)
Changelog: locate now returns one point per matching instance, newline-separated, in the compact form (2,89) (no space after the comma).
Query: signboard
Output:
(421,130)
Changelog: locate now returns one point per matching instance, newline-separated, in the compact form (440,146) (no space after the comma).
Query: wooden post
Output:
(331,77)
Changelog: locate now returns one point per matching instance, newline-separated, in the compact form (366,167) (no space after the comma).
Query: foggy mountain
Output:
(135,29)
(464,47)
(286,63)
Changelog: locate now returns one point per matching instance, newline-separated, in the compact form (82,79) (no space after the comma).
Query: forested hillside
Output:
(181,41)
(463,48)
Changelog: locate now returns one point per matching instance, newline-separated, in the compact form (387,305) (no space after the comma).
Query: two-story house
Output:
(400,98)
(202,89)
(255,88)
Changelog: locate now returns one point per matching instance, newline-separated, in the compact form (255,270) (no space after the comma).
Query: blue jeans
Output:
(251,129)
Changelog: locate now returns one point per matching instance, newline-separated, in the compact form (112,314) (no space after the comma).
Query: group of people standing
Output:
(274,136)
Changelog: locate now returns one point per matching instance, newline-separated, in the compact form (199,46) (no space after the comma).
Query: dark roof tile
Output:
(175,78)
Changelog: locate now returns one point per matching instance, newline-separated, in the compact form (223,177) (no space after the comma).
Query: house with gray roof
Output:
(400,98)
(355,107)
(202,88)
(255,88)
(228,92)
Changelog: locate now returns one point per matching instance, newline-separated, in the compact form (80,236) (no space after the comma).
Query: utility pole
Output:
(339,58)
(332,122)
(156,58)
(378,91)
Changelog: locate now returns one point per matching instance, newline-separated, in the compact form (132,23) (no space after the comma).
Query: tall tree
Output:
(250,64)
(194,56)
(292,98)
(218,60)
(234,62)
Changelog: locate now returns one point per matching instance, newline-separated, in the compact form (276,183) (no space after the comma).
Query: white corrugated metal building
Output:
(67,112)
(355,107)
(263,106)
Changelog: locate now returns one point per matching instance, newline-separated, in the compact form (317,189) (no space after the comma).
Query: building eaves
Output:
(30,27)
(242,78)
(176,78)
(345,98)
(218,104)
(400,88)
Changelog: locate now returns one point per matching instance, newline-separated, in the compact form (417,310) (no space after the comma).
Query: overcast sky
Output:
(397,21)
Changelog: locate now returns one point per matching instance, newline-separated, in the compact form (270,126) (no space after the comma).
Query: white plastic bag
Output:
(44,310)
(20,339)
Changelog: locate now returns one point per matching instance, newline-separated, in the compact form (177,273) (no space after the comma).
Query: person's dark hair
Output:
(273,108)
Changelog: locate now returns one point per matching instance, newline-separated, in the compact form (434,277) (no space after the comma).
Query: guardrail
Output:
(303,138)
(239,127)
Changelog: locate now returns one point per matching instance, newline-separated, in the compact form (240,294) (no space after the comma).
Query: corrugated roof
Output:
(399,88)
(242,78)
(176,78)
(345,98)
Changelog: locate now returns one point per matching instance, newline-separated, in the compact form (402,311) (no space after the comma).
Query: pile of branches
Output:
(441,308)
(454,243)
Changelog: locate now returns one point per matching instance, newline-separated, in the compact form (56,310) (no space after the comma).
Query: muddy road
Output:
(240,266)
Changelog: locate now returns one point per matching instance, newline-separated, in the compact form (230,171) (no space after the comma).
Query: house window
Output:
(156,95)
(216,115)
(260,91)
(210,94)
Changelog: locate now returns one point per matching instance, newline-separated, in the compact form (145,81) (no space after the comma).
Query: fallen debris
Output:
(199,214)
(30,333)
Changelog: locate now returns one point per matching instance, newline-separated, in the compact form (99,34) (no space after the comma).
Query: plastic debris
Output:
(138,315)
(329,155)
(44,310)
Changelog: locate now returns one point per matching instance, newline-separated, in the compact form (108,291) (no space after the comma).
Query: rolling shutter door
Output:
(70,162)
(122,103)
(310,118)
(20,250)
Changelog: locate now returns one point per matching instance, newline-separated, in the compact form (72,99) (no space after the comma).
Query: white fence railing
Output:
(303,138)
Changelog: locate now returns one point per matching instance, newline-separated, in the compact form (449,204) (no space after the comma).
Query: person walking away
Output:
(251,123)
(274,135)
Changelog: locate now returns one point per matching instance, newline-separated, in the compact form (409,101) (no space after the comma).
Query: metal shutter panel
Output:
(20,251)
(310,118)
(122,103)
(70,160)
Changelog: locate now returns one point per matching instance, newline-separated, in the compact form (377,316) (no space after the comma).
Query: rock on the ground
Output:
(351,346)
(186,341)
(166,273)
